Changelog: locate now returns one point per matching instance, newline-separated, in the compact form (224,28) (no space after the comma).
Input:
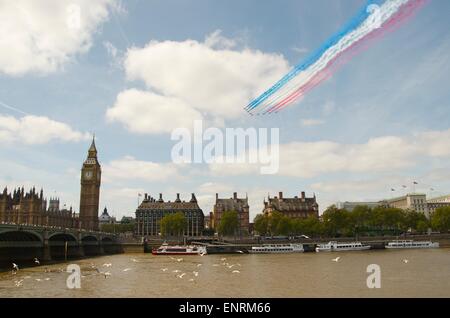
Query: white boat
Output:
(341,246)
(277,249)
(166,249)
(411,244)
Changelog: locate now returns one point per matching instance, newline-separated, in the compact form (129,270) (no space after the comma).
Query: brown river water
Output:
(426,274)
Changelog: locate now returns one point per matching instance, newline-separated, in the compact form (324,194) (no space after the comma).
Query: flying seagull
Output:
(127,269)
(164,269)
(336,259)
(235,272)
(36,261)
(107,265)
(406,261)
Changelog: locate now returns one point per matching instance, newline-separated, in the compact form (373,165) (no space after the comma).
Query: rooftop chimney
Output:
(193,200)
(235,195)
(217,196)
(280,194)
(178,198)
(160,198)
(303,195)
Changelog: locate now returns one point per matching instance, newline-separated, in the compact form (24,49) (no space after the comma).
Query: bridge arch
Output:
(62,237)
(21,236)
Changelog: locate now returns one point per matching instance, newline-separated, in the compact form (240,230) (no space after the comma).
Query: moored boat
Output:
(166,249)
(411,244)
(341,246)
(277,248)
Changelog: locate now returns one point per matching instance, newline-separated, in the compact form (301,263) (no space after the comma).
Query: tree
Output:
(229,223)
(173,224)
(440,220)
(274,219)
(284,226)
(336,221)
(416,221)
(261,224)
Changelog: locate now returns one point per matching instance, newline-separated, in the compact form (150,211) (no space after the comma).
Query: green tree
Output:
(440,220)
(229,223)
(274,218)
(173,224)
(261,224)
(414,220)
(117,228)
(336,221)
(284,226)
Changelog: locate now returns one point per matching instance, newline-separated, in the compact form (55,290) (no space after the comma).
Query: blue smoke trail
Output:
(352,25)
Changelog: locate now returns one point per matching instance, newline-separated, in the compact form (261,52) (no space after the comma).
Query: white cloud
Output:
(381,154)
(128,168)
(36,130)
(147,112)
(42,36)
(207,78)
(312,122)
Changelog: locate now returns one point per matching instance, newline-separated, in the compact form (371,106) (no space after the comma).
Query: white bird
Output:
(405,261)
(239,251)
(181,275)
(336,259)
(231,266)
(191,280)
(235,272)
(106,274)
(164,269)
(38,280)
(107,265)
(18,283)
(15,267)
(47,279)
(223,259)
(127,269)
(37,261)
(176,271)
(179,260)
(134,260)
(198,265)
(203,254)
(27,277)
(195,274)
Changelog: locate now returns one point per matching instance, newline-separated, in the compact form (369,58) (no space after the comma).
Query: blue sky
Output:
(380,122)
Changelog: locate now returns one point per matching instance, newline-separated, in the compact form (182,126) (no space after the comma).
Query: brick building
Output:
(151,211)
(296,207)
(239,205)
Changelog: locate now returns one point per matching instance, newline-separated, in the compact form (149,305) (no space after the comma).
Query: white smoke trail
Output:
(376,20)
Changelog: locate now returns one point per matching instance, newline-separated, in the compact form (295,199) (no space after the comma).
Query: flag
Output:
(432,189)
(415,182)
(404,186)
(139,194)
(392,189)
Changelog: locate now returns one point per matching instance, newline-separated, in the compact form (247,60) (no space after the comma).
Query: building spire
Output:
(92,148)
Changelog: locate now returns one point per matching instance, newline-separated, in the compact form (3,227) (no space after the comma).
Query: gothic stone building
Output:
(31,208)
(234,204)
(294,208)
(151,211)
(91,173)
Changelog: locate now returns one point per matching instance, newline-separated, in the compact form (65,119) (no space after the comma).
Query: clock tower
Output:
(90,190)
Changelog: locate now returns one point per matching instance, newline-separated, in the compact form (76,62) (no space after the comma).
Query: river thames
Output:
(404,273)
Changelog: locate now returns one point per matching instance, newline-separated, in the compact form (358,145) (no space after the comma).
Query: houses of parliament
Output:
(20,207)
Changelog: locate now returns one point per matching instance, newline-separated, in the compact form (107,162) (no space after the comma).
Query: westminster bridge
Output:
(24,242)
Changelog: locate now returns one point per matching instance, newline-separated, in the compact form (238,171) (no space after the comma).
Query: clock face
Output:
(88,174)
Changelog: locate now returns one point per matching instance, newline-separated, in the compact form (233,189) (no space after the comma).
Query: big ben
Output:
(90,190)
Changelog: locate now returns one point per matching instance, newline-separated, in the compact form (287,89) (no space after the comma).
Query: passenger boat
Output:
(166,249)
(411,244)
(341,246)
(277,248)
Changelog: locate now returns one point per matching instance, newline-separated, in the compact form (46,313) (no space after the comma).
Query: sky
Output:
(133,71)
